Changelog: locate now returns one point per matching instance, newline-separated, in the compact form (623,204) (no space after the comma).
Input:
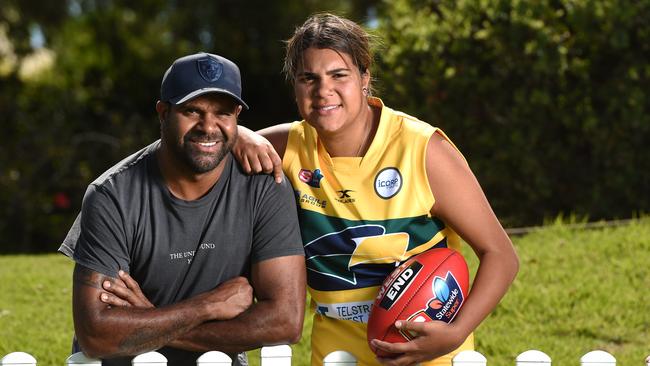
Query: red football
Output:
(429,286)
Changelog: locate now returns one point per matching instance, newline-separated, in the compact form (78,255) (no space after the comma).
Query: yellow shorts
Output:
(329,335)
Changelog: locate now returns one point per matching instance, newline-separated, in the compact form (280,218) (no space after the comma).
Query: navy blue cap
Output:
(198,74)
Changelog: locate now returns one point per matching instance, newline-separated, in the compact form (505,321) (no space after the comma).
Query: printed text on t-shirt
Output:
(189,255)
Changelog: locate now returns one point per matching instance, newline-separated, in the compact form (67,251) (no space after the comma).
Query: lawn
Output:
(577,291)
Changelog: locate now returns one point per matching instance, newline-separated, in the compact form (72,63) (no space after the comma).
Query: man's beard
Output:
(202,162)
(198,161)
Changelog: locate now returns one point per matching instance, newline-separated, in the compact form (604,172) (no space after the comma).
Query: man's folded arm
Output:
(276,317)
(105,331)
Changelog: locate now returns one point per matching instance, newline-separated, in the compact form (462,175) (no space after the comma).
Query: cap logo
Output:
(210,69)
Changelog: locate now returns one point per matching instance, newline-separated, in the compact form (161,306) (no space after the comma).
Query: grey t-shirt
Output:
(176,249)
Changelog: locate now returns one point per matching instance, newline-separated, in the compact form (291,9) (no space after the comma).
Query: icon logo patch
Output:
(388,183)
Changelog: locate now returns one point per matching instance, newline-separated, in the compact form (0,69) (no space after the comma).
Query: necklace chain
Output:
(365,138)
(367,130)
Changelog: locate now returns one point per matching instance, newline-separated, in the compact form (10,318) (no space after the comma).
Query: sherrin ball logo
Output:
(388,183)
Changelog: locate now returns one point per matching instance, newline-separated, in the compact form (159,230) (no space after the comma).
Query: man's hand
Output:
(257,155)
(434,339)
(124,293)
(230,299)
(275,318)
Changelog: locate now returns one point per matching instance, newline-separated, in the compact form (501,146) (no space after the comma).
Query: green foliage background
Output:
(89,99)
(547,99)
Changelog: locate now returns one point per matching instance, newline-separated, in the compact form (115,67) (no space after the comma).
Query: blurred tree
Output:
(547,99)
(79,81)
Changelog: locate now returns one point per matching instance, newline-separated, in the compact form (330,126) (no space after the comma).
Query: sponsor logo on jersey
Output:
(312,200)
(312,178)
(394,290)
(345,196)
(354,311)
(307,199)
(388,183)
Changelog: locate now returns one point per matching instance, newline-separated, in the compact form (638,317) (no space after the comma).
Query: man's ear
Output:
(162,108)
(239,109)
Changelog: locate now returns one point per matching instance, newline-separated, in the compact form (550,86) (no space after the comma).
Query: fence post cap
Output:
(282,350)
(340,356)
(533,355)
(149,357)
(80,358)
(213,357)
(469,356)
(18,358)
(597,356)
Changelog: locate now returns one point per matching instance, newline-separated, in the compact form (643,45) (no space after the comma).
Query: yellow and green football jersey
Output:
(359,218)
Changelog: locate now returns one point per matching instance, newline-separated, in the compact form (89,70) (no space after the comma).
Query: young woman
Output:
(374,186)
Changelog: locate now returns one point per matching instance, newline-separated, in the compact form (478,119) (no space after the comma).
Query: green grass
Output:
(577,291)
(35,306)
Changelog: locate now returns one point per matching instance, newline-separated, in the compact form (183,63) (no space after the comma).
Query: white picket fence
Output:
(281,356)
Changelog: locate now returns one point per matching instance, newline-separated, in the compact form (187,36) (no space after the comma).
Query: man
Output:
(180,221)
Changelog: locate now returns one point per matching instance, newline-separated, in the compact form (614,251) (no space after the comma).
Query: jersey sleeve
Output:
(276,232)
(101,244)
(70,241)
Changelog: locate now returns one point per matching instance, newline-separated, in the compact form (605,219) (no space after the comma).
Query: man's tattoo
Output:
(145,339)
(88,277)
